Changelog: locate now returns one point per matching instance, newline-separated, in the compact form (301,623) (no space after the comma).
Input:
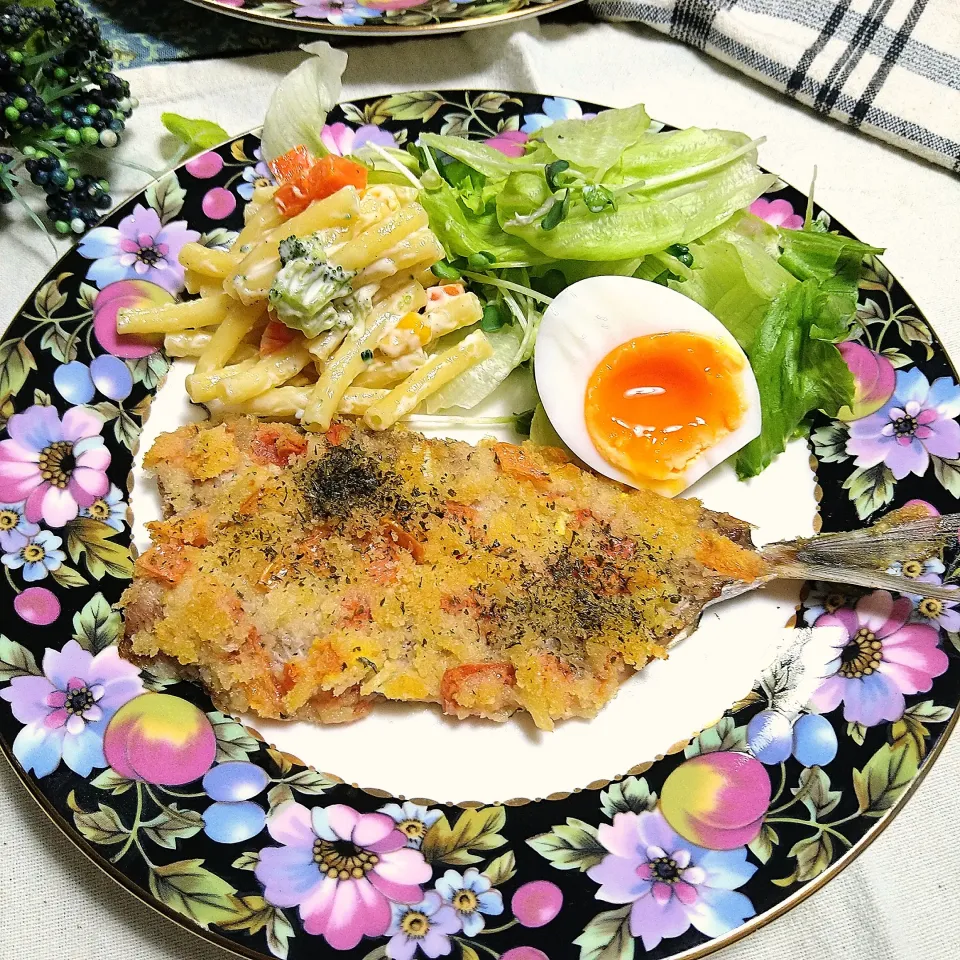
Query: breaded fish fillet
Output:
(301,575)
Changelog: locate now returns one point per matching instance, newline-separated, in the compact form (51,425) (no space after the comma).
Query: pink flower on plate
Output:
(672,883)
(55,466)
(777,213)
(342,868)
(509,142)
(879,658)
(141,247)
(342,140)
(66,709)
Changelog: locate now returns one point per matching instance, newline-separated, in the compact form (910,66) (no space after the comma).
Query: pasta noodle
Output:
(359,251)
(414,330)
(438,371)
(376,368)
(228,336)
(387,372)
(169,317)
(421,246)
(206,386)
(208,261)
(322,346)
(187,343)
(290,401)
(270,372)
(347,362)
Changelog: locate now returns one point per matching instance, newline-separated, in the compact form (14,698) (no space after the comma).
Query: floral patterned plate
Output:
(397,18)
(196,814)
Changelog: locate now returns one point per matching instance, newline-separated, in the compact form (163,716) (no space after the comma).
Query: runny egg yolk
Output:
(656,403)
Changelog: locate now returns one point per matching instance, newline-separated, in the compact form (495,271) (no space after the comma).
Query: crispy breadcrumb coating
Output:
(309,576)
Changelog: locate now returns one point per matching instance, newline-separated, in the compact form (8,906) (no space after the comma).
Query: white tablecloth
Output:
(898,901)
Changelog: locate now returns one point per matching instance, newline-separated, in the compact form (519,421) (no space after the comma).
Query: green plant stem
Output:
(776,796)
(137,815)
(180,796)
(506,926)
(508,285)
(74,336)
(13,586)
(826,828)
(159,802)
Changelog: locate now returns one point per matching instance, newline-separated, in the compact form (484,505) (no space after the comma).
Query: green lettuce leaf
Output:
(195,134)
(597,144)
(797,372)
(735,277)
(463,232)
(302,100)
(657,154)
(484,159)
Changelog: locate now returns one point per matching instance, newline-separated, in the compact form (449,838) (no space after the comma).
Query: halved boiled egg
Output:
(643,384)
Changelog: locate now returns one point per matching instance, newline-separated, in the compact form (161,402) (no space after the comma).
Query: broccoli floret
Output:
(296,248)
(306,285)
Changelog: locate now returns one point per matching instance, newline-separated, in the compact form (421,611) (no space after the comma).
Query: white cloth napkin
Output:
(889,67)
(897,902)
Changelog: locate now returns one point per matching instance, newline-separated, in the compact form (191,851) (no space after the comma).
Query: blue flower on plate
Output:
(13,520)
(412,820)
(36,554)
(554,109)
(111,508)
(255,175)
(472,896)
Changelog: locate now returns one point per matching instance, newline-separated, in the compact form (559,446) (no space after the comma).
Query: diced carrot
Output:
(438,294)
(164,562)
(406,541)
(291,200)
(288,679)
(467,675)
(277,443)
(513,462)
(332,173)
(275,336)
(292,165)
(337,433)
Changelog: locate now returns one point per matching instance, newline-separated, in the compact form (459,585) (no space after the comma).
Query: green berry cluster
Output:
(59,102)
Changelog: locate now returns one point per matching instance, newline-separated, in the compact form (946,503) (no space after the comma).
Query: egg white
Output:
(594,316)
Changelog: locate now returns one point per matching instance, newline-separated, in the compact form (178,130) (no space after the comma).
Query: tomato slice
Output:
(292,165)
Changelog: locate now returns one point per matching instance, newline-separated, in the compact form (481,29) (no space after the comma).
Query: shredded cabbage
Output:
(302,100)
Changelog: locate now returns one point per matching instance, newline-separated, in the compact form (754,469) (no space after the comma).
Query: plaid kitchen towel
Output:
(888,67)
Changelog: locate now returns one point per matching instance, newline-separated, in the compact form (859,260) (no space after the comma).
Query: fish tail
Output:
(861,557)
